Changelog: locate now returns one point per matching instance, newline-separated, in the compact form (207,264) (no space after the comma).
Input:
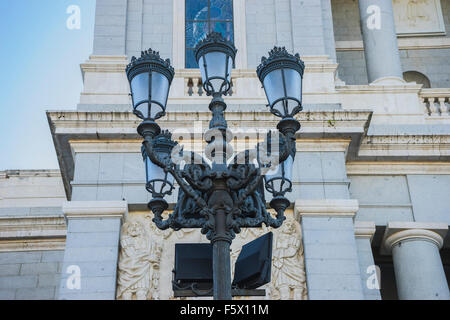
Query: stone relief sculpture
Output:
(139,263)
(288,270)
(144,272)
(415,17)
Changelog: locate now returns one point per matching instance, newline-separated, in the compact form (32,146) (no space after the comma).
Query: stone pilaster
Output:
(331,254)
(110,27)
(364,231)
(312,28)
(419,272)
(380,41)
(92,248)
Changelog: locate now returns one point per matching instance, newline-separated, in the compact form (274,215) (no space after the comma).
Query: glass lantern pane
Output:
(162,186)
(293,83)
(155,110)
(153,171)
(291,105)
(139,87)
(196,9)
(160,180)
(230,67)
(160,88)
(201,65)
(293,87)
(143,109)
(216,64)
(288,168)
(274,172)
(221,10)
(284,167)
(273,84)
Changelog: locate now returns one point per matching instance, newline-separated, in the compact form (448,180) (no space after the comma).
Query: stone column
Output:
(370,278)
(331,254)
(92,248)
(380,41)
(419,272)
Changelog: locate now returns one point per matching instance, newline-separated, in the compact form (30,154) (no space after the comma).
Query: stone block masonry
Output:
(30,275)
(92,245)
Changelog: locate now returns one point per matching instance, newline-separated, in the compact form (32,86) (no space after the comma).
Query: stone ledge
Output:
(27,227)
(393,168)
(326,207)
(95,209)
(418,43)
(72,125)
(365,229)
(32,245)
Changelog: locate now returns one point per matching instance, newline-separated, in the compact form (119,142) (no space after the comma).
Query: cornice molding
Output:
(134,146)
(416,43)
(326,207)
(17,228)
(32,245)
(405,146)
(397,167)
(105,64)
(95,209)
(6,174)
(322,145)
(365,229)
(407,87)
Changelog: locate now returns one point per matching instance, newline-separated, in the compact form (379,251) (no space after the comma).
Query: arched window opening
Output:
(417,77)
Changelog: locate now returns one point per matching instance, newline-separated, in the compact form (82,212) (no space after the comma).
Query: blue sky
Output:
(39,70)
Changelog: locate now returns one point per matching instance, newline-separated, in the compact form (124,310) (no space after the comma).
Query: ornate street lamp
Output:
(281,75)
(150,78)
(227,195)
(215,56)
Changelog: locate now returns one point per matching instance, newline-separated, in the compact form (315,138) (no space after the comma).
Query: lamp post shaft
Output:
(221,269)
(221,203)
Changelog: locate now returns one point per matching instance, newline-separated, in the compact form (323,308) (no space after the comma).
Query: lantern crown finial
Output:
(162,143)
(278,57)
(214,41)
(153,59)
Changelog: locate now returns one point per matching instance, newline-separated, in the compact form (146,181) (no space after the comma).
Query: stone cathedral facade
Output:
(370,202)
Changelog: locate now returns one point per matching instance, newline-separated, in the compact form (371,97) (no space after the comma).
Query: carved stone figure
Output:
(288,274)
(139,263)
(417,10)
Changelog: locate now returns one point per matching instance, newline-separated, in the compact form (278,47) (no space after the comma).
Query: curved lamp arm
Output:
(169,166)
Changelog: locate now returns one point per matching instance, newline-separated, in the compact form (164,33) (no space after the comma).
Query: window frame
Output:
(179,34)
(209,21)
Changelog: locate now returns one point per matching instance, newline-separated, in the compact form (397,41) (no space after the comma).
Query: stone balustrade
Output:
(193,85)
(436,102)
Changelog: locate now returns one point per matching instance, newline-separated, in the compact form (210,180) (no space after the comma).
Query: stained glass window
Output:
(204,16)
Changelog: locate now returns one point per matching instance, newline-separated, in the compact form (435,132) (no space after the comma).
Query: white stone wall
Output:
(30,275)
(423,54)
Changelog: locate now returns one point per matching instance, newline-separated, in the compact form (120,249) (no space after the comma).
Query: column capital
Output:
(95,209)
(401,231)
(365,229)
(326,207)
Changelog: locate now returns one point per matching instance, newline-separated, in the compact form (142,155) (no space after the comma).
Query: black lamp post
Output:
(227,195)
